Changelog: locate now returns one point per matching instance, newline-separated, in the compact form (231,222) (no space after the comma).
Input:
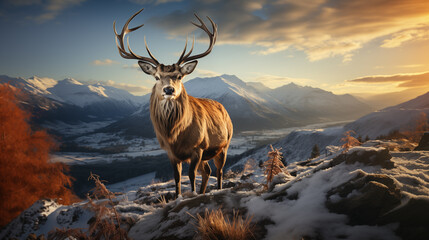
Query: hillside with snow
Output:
(367,193)
(402,117)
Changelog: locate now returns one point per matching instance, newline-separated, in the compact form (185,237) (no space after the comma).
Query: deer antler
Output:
(121,46)
(212,36)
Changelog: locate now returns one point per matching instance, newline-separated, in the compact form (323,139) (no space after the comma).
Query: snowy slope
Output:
(297,145)
(402,117)
(367,193)
(318,103)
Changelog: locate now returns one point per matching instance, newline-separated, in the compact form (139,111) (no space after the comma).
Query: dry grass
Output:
(215,226)
(62,234)
(249,166)
(273,165)
(162,201)
(106,224)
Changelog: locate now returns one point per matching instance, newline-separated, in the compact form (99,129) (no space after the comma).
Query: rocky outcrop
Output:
(424,143)
(367,156)
(365,199)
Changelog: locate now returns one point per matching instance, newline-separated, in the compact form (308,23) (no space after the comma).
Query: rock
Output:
(280,178)
(367,156)
(364,199)
(424,143)
(30,220)
(413,219)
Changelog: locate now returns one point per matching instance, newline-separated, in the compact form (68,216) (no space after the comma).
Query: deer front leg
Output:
(219,162)
(205,172)
(195,162)
(177,176)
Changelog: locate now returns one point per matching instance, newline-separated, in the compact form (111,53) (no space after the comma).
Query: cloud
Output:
(320,28)
(405,36)
(154,2)
(49,9)
(134,66)
(407,80)
(24,2)
(207,73)
(105,62)
(411,66)
(274,81)
(135,89)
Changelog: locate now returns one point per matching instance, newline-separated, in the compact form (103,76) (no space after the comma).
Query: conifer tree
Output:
(315,152)
(273,165)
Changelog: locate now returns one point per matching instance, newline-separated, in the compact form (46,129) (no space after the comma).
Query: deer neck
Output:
(170,117)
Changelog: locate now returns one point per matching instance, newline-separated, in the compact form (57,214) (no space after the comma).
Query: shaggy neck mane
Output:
(170,117)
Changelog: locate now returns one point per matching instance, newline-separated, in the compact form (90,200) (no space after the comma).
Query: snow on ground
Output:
(81,128)
(367,193)
(132,183)
(297,146)
(137,147)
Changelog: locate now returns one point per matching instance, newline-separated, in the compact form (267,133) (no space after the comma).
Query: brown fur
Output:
(191,129)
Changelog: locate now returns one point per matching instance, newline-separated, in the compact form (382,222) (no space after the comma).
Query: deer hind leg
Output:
(219,162)
(193,167)
(177,176)
(205,172)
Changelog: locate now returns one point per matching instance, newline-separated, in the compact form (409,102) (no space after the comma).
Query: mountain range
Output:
(71,101)
(252,106)
(402,117)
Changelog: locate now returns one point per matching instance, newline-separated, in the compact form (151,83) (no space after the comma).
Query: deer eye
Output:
(157,78)
(179,77)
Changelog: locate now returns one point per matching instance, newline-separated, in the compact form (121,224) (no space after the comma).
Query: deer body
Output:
(189,129)
(193,130)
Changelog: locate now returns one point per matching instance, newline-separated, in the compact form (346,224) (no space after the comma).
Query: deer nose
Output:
(168,90)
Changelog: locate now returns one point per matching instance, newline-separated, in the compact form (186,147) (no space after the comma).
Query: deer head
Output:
(169,83)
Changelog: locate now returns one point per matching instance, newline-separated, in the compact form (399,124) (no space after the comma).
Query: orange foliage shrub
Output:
(421,126)
(349,141)
(414,134)
(26,174)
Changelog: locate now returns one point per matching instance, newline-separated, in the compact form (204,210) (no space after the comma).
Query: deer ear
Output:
(147,68)
(188,68)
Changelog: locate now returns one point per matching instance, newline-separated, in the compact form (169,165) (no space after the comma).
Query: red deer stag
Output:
(189,129)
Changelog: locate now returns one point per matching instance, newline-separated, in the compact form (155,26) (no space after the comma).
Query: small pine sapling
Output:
(315,152)
(274,164)
(366,138)
(349,141)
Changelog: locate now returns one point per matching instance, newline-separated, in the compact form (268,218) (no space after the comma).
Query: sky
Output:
(344,46)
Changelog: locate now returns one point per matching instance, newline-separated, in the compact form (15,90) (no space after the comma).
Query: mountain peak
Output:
(70,81)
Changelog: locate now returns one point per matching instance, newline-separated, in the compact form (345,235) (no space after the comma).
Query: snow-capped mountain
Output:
(318,103)
(253,106)
(70,100)
(71,91)
(402,117)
